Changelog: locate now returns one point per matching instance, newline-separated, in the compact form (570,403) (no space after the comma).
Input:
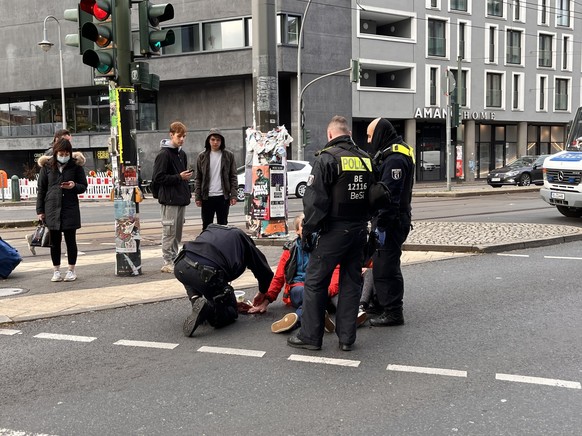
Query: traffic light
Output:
(97,37)
(74,39)
(356,71)
(306,137)
(151,38)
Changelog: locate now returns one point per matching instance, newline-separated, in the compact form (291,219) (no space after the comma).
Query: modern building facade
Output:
(520,63)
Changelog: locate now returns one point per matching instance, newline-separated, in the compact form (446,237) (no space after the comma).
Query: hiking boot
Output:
(388,319)
(57,277)
(29,242)
(329,324)
(70,276)
(197,316)
(167,268)
(362,317)
(288,322)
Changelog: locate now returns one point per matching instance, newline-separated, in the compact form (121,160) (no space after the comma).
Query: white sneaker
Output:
(168,268)
(71,276)
(57,277)
(30,247)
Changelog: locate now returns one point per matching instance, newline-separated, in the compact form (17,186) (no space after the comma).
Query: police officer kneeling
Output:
(205,267)
(336,211)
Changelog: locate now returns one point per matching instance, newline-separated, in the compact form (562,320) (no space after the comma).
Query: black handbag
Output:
(41,236)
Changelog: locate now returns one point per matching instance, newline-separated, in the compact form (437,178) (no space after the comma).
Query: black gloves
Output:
(309,241)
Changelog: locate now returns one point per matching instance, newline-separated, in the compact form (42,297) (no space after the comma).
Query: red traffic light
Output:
(100,9)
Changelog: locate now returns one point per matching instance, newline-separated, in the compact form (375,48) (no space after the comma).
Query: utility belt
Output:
(207,273)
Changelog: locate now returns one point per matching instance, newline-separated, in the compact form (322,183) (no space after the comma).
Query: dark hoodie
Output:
(396,169)
(227,170)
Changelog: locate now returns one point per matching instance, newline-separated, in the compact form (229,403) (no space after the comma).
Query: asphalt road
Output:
(491,346)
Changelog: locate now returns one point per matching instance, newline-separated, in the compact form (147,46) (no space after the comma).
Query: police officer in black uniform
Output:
(205,267)
(335,230)
(395,161)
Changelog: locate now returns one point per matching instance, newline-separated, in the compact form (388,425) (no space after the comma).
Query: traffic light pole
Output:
(123,126)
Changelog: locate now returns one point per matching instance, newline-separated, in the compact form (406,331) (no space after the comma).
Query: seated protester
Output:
(205,267)
(290,276)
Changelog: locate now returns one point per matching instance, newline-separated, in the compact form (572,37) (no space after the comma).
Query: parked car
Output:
(537,173)
(517,172)
(427,166)
(298,172)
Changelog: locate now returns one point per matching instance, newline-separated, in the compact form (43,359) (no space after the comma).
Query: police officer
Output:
(205,267)
(335,230)
(395,161)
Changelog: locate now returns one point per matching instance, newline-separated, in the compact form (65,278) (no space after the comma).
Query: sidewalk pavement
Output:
(98,288)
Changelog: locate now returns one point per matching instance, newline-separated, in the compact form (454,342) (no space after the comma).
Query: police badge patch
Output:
(396,174)
(310,180)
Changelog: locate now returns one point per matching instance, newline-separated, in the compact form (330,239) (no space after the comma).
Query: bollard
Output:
(15,186)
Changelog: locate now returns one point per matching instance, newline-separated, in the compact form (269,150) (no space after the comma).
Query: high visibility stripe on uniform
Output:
(354,163)
(405,150)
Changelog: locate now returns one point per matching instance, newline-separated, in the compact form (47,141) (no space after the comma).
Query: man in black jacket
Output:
(171,174)
(205,266)
(395,160)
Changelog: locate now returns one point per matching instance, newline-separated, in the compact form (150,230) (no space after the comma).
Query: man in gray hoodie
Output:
(171,175)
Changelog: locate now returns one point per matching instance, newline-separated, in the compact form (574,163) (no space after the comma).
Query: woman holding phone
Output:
(60,180)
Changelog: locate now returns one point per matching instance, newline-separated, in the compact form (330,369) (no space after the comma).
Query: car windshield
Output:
(520,163)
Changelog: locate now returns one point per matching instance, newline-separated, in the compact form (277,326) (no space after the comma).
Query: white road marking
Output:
(9,432)
(325,360)
(234,351)
(146,344)
(65,337)
(539,381)
(9,332)
(512,255)
(563,257)
(427,370)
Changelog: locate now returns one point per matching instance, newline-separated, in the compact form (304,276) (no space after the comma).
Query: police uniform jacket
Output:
(337,189)
(232,250)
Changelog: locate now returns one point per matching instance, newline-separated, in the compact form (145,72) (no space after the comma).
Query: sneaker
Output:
(285,324)
(388,319)
(57,277)
(362,317)
(70,276)
(197,316)
(329,324)
(30,247)
(168,268)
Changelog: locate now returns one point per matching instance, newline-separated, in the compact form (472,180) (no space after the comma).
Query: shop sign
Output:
(441,113)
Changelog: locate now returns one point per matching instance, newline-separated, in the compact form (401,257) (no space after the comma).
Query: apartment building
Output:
(520,64)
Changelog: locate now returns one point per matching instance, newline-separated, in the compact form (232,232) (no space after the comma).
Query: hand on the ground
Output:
(261,308)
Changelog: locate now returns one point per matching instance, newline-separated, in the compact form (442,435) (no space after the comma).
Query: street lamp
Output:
(46,45)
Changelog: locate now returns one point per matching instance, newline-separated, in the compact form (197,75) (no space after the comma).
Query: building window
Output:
(493,97)
(436,38)
(545,51)
(517,92)
(459,5)
(389,76)
(543,17)
(389,25)
(491,44)
(495,8)
(516,10)
(513,54)
(187,40)
(433,86)
(223,35)
(288,27)
(542,93)
(566,64)
(563,13)
(462,39)
(561,95)
(460,92)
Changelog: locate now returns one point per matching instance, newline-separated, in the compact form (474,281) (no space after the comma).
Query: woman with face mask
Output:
(60,180)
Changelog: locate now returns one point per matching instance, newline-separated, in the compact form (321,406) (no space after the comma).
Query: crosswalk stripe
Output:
(10,432)
(9,332)
(233,351)
(146,344)
(59,337)
(539,381)
(324,360)
(427,370)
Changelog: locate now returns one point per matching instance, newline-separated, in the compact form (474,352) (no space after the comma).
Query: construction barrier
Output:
(98,188)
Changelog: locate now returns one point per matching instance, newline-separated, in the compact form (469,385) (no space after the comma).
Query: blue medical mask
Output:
(63,159)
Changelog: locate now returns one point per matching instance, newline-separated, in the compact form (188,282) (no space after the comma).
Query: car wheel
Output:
(525,180)
(240,193)
(300,190)
(570,212)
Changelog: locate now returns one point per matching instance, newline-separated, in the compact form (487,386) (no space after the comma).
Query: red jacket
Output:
(279,282)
